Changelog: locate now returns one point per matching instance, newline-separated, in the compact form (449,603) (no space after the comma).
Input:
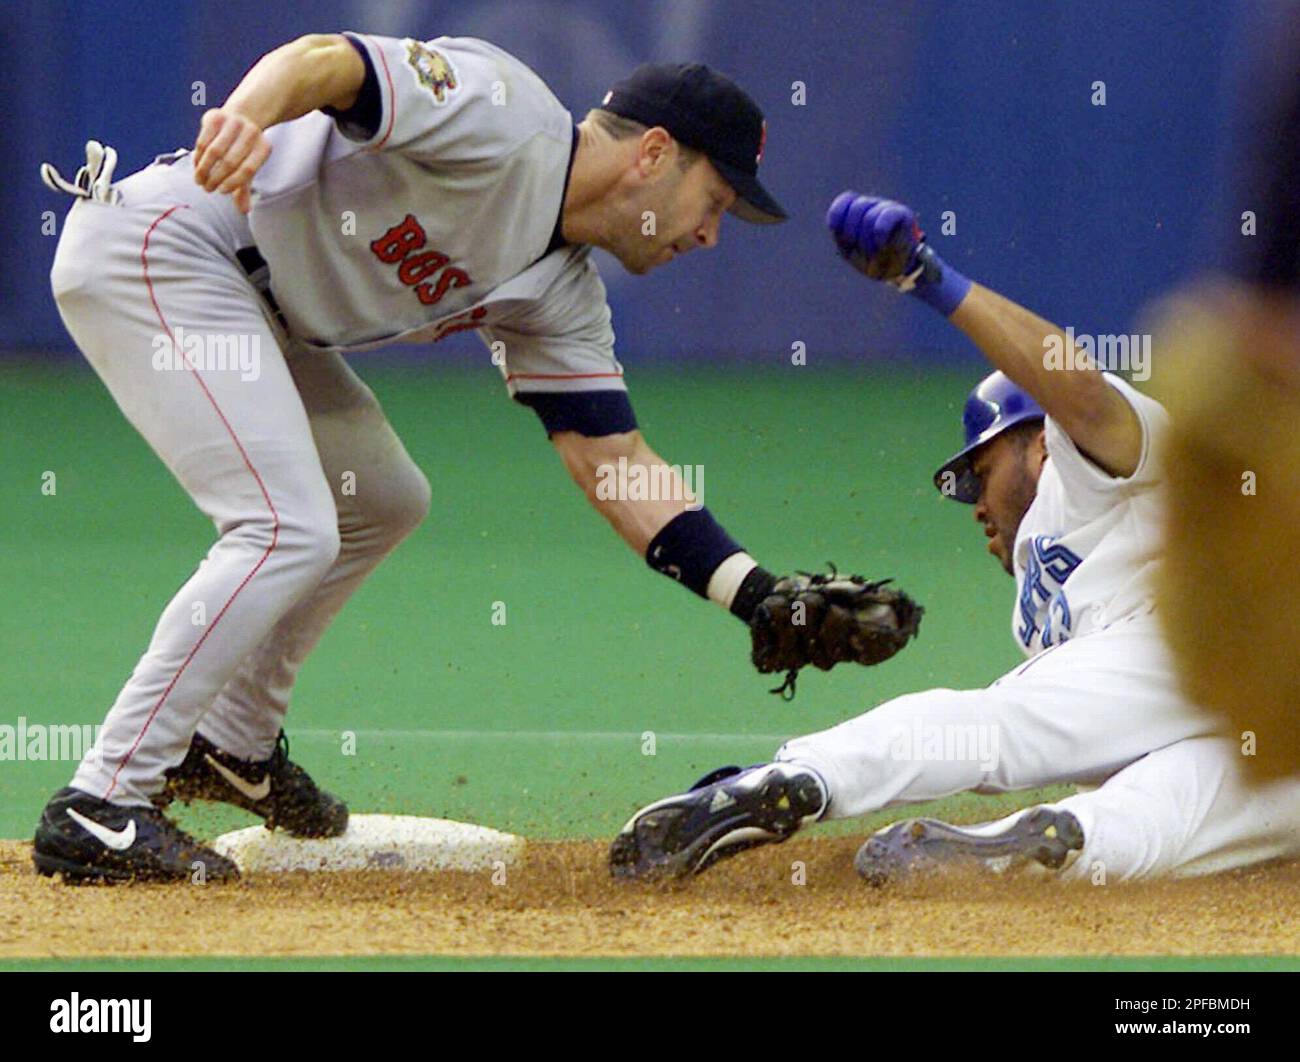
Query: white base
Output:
(374,842)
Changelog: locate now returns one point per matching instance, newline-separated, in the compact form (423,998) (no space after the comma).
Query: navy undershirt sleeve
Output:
(590,413)
(361,120)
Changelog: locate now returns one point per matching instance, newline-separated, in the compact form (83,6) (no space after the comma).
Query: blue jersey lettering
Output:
(1049,566)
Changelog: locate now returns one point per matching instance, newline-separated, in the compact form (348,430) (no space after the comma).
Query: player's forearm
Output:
(318,70)
(637,522)
(882,239)
(614,472)
(1037,355)
(1016,340)
(660,516)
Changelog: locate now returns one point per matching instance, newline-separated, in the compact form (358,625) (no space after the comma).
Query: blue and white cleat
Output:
(1043,835)
(725,812)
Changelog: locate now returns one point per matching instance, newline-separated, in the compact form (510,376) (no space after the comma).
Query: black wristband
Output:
(689,548)
(757,585)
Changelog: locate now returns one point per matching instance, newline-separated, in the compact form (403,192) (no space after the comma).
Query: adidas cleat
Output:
(1042,835)
(723,813)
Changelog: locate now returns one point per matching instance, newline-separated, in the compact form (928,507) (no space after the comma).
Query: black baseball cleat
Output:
(915,846)
(86,839)
(723,813)
(276,789)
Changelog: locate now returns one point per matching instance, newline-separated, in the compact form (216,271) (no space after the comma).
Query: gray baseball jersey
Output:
(432,207)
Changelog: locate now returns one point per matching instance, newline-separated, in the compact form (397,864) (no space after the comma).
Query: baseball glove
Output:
(824,620)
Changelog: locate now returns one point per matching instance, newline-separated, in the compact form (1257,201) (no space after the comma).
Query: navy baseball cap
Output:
(707,112)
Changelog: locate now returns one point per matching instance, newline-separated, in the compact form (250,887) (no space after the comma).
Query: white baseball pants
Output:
(1102,710)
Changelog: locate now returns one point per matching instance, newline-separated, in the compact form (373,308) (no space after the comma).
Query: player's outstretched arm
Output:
(318,70)
(593,462)
(1094,415)
(883,240)
(793,621)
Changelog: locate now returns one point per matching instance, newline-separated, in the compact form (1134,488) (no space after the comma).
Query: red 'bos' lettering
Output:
(394,245)
(452,278)
(419,266)
(462,322)
(403,246)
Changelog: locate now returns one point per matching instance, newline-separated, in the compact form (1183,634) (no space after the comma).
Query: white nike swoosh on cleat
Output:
(254,792)
(118,840)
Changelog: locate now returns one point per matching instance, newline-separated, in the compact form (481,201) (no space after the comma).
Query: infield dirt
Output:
(560,901)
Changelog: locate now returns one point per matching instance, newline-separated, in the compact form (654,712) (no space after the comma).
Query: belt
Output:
(259,273)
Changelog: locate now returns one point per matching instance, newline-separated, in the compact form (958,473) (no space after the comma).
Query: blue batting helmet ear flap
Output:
(995,405)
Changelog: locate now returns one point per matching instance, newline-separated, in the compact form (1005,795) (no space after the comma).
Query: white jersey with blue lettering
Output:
(1104,709)
(1087,545)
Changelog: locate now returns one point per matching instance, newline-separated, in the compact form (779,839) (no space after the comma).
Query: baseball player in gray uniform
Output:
(1062,467)
(356,191)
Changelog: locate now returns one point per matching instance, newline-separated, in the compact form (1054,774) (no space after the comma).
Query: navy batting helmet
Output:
(995,405)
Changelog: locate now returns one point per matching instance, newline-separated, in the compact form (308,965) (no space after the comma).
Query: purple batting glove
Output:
(883,240)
